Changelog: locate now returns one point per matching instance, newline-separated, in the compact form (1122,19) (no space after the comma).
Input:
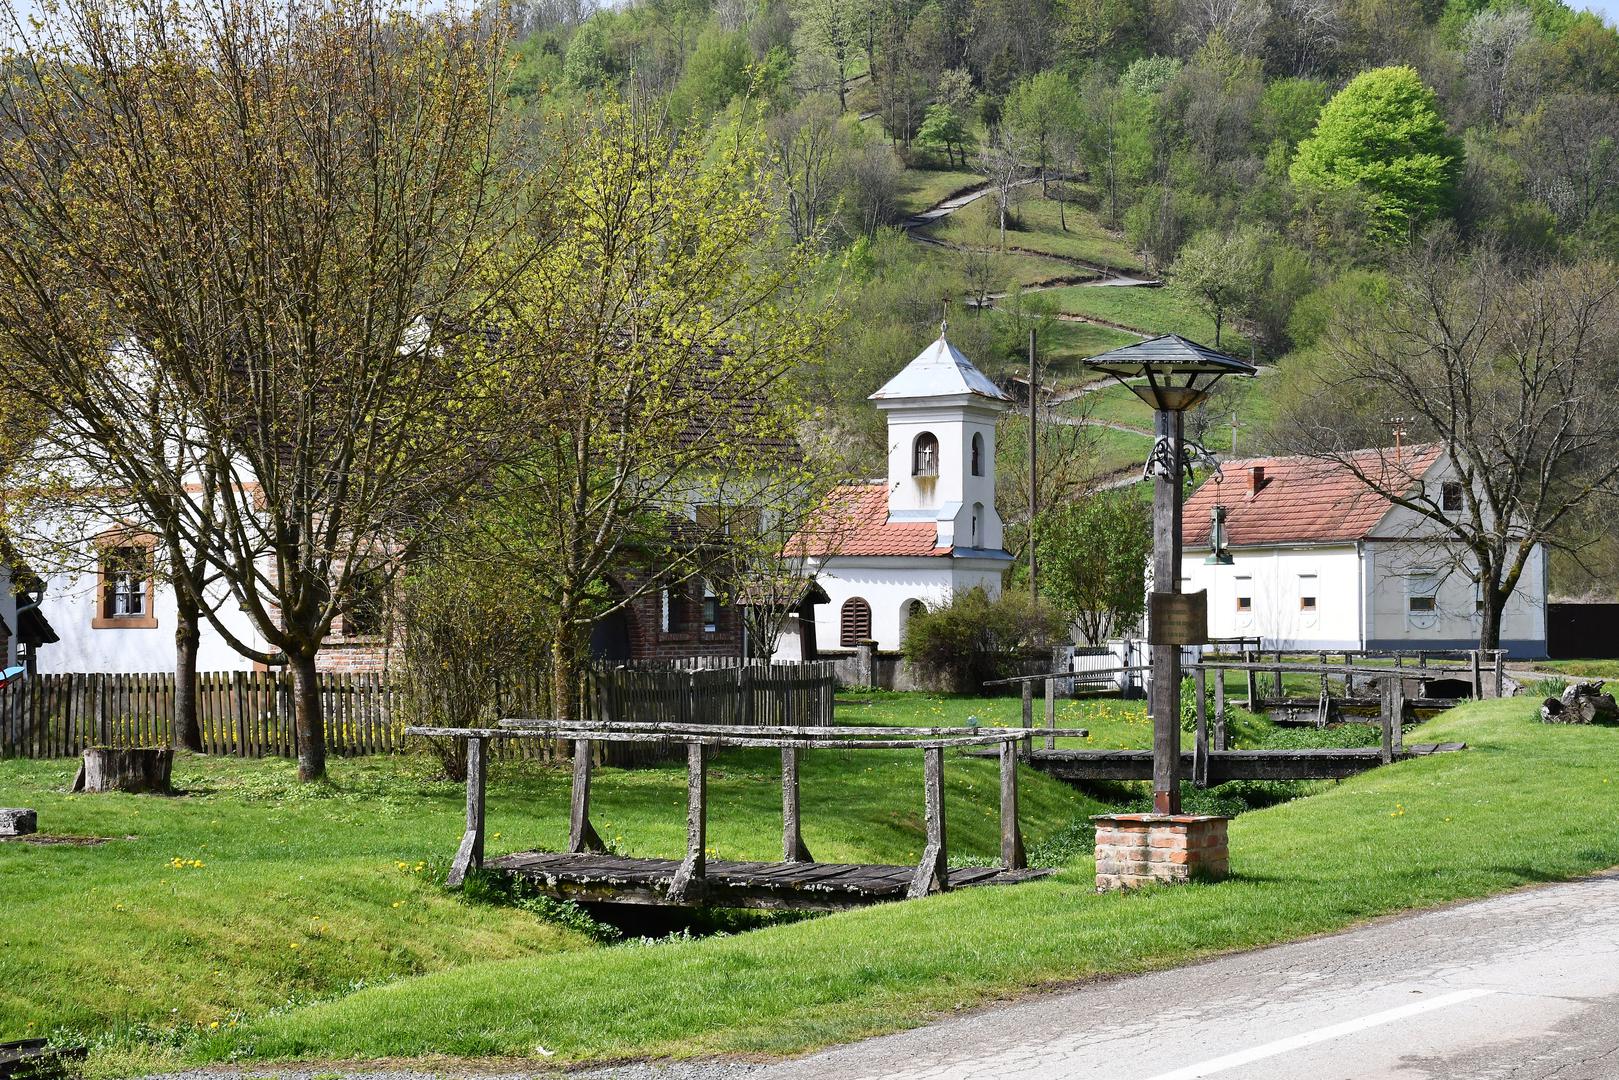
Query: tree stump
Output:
(134,770)
(18,821)
(1581,703)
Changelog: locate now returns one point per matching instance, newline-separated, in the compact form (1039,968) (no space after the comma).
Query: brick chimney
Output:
(1256,478)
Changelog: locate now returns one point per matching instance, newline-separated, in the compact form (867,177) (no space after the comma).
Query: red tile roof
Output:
(854,521)
(1301,500)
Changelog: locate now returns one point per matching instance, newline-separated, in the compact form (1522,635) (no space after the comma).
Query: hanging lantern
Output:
(1218,555)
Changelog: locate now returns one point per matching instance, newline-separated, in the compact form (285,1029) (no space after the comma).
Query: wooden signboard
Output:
(1178,618)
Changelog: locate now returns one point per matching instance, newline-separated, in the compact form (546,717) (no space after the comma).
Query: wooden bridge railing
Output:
(701,740)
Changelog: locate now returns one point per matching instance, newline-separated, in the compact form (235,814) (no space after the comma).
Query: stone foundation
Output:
(1133,850)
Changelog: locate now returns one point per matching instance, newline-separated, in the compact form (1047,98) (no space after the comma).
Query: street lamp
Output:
(1172,375)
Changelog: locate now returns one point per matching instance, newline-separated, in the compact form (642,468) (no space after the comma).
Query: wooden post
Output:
(1219,710)
(1248,658)
(1500,673)
(1397,729)
(239,681)
(1477,660)
(1390,689)
(793,848)
(1028,716)
(1051,713)
(688,881)
(581,833)
(1012,854)
(470,855)
(1200,743)
(1165,695)
(932,873)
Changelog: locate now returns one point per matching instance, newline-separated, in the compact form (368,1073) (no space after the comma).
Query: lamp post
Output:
(1172,375)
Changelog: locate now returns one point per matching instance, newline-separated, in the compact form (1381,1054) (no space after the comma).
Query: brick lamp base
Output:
(1159,849)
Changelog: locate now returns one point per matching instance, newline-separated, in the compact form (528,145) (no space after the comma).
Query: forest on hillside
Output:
(1277,162)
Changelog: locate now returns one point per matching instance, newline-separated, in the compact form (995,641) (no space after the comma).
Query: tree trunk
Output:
(564,677)
(1489,624)
(1217,321)
(187,731)
(308,722)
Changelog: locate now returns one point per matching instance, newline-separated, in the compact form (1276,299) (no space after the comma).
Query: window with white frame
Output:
(1422,592)
(1309,594)
(1245,593)
(1450,496)
(711,609)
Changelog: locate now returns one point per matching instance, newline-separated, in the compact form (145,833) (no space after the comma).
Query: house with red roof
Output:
(1322,560)
(884,550)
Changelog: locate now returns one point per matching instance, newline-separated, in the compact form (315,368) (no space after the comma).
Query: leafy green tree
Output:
(716,73)
(1093,560)
(1221,272)
(1044,110)
(1382,135)
(943,126)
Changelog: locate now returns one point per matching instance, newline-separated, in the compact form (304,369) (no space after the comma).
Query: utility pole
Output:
(1034,465)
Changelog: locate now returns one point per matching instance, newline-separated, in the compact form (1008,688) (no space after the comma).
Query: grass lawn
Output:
(302,935)
(285,894)
(1065,345)
(1086,239)
(1580,669)
(1527,803)
(922,189)
(1152,311)
(1040,231)
(1118,451)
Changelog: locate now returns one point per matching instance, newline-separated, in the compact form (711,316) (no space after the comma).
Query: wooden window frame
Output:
(1448,488)
(120,540)
(846,638)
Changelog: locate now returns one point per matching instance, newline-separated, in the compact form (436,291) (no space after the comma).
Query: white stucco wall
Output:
(950,497)
(70,603)
(889,584)
(1276,579)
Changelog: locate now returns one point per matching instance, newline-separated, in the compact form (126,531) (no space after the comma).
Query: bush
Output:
(976,639)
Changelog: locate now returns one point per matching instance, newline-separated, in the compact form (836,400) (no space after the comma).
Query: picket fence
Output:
(250,713)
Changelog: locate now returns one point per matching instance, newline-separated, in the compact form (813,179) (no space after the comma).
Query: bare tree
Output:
(286,224)
(807,151)
(1491,42)
(1004,161)
(1511,372)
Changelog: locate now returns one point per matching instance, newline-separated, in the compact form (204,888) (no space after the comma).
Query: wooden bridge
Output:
(1212,761)
(587,872)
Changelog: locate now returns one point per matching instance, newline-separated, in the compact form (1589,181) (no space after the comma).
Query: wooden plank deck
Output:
(1226,765)
(806,886)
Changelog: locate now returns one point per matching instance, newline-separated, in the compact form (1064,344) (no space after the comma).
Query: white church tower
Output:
(941,447)
(886,550)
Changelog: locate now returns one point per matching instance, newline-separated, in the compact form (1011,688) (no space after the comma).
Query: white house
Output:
(1323,562)
(884,550)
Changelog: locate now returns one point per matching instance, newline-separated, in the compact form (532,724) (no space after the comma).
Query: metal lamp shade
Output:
(1179,373)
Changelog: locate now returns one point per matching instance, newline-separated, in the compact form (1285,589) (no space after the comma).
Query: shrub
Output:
(976,639)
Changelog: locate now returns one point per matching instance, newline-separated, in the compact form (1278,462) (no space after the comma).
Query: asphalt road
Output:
(1523,986)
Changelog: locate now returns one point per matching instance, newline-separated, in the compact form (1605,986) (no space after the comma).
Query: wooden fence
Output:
(250,713)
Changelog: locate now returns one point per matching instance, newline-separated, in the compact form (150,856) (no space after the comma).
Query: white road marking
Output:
(1310,1038)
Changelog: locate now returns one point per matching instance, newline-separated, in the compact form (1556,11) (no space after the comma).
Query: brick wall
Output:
(1133,850)
(649,641)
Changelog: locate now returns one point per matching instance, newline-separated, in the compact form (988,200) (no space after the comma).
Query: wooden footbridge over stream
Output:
(588,872)
(1212,761)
